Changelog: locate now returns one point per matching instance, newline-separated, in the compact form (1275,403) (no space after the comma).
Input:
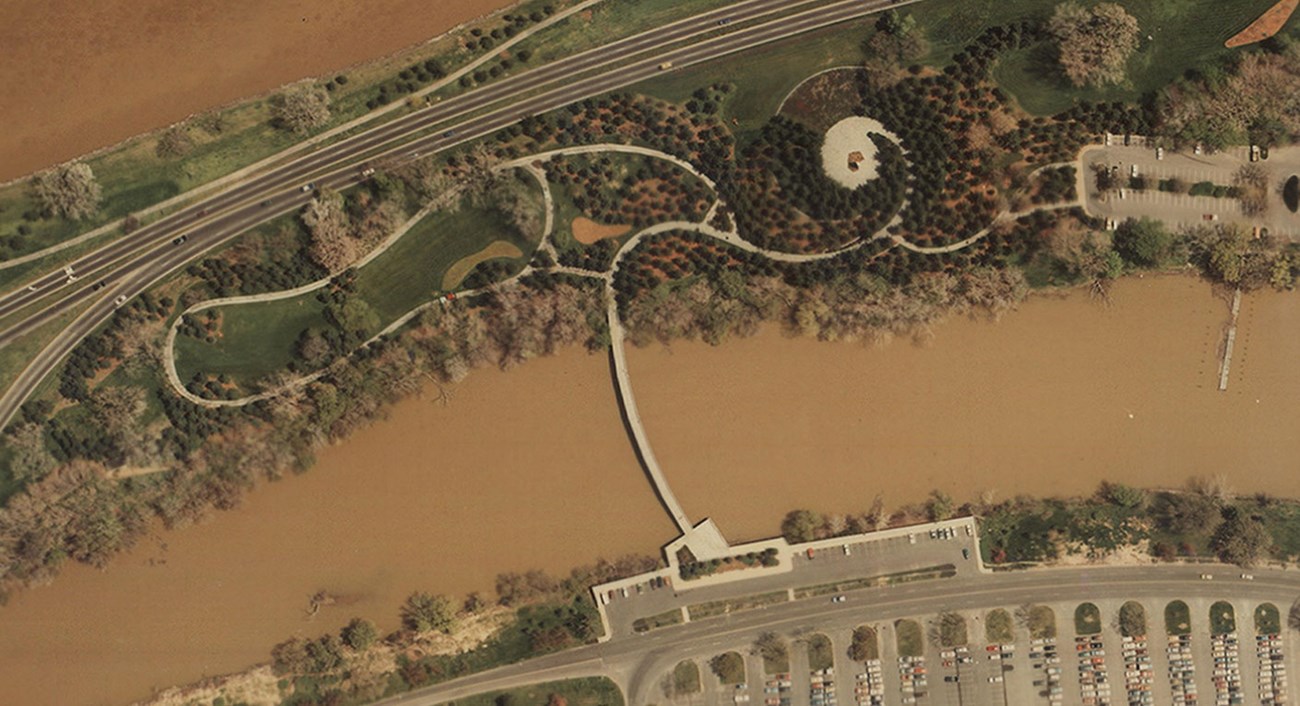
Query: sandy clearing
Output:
(79,76)
(587,231)
(462,267)
(1266,25)
(848,154)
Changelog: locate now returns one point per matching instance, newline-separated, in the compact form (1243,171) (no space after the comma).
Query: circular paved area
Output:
(848,154)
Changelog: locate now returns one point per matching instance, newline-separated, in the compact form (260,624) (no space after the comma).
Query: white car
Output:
(1248,577)
(121,299)
(1207,577)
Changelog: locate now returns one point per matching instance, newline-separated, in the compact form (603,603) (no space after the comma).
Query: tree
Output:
(301,108)
(424,613)
(1242,539)
(174,142)
(729,667)
(801,526)
(771,648)
(1125,496)
(360,634)
(1094,43)
(1252,182)
(68,190)
(864,646)
(1293,616)
(332,244)
(1143,242)
(31,460)
(938,507)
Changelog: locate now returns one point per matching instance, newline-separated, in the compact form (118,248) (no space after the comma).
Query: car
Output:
(98,285)
(308,187)
(1160,153)
(1196,148)
(724,21)
(995,679)
(449,133)
(951,679)
(838,599)
(965,553)
(120,300)
(368,171)
(1133,170)
(847,551)
(811,552)
(665,66)
(179,239)
(1210,217)
(911,539)
(1248,577)
(202,212)
(265,203)
(1207,577)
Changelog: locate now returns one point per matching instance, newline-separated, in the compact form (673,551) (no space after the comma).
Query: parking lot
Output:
(1103,667)
(1182,209)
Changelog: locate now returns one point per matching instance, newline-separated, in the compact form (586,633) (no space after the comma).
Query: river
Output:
(80,75)
(531,468)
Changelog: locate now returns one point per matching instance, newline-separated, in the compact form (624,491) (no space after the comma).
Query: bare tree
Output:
(69,190)
(1252,181)
(31,460)
(332,244)
(174,142)
(1095,43)
(301,108)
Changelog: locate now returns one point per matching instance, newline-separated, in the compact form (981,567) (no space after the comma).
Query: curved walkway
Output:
(704,539)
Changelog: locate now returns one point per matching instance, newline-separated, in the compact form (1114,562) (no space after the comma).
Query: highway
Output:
(147,256)
(637,663)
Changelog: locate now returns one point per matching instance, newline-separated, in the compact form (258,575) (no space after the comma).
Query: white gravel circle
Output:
(843,139)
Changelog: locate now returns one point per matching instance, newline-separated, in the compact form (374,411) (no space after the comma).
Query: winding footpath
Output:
(703,538)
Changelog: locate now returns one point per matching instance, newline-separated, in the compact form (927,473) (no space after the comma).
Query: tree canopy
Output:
(1095,43)
(68,190)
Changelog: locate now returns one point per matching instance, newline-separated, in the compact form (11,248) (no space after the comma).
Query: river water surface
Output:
(532,468)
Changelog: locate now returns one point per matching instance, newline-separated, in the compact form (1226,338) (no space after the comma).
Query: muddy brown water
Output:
(531,468)
(79,75)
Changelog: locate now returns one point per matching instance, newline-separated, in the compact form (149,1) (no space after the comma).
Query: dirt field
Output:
(1266,26)
(79,75)
(462,267)
(587,231)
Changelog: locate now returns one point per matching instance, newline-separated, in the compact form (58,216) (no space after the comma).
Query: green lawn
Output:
(590,691)
(411,271)
(1267,620)
(911,643)
(256,339)
(764,77)
(1184,34)
(1087,619)
(686,677)
(1178,618)
(1223,619)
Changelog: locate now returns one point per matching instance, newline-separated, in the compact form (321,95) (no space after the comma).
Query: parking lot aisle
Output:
(1019,682)
(713,691)
(943,668)
(889,664)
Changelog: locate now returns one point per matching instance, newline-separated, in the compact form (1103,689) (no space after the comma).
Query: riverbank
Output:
(1038,402)
(145,64)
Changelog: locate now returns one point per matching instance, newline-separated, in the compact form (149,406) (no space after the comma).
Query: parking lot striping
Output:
(1094,682)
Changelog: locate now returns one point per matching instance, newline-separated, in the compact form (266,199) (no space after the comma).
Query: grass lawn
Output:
(1178,619)
(686,677)
(664,619)
(1042,622)
(1087,619)
(256,339)
(1223,619)
(590,691)
(911,643)
(1184,34)
(764,77)
(820,653)
(411,271)
(998,627)
(1267,619)
(777,660)
(1132,619)
(729,667)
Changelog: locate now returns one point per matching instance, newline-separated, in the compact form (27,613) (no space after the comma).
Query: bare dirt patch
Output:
(81,75)
(462,267)
(1266,25)
(848,154)
(587,231)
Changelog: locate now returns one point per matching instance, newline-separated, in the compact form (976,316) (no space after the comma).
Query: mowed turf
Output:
(1184,34)
(258,339)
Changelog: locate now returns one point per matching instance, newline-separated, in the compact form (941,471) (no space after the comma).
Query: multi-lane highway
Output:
(131,264)
(636,663)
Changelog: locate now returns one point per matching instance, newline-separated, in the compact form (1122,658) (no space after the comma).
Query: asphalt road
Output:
(147,256)
(636,663)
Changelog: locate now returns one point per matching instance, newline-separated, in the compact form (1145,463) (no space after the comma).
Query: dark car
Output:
(266,203)
(179,239)
(98,285)
(449,133)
